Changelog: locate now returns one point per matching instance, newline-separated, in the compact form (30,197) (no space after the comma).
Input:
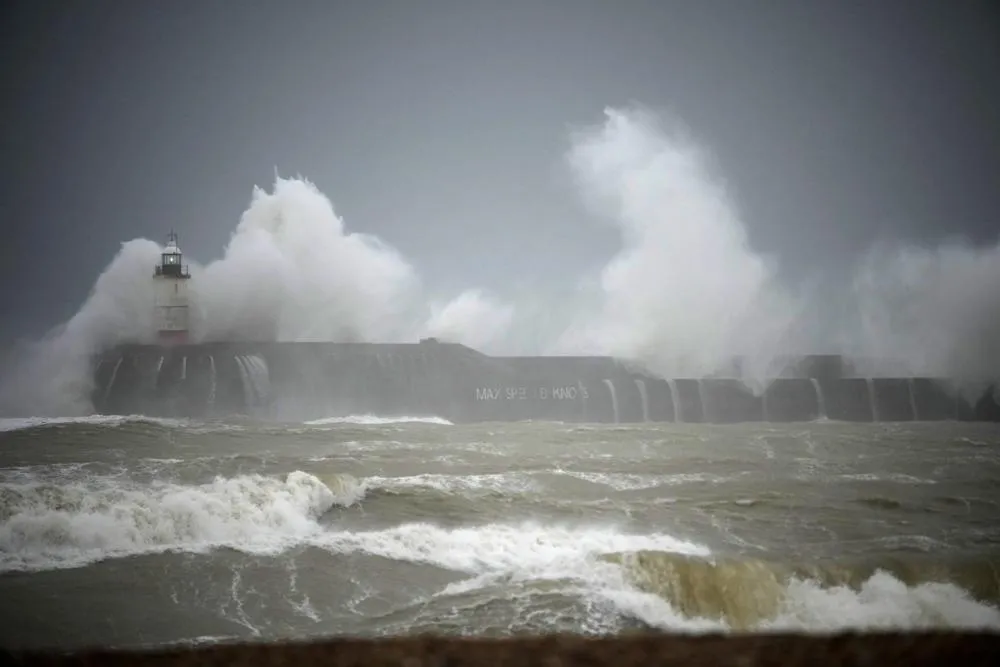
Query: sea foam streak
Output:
(373,420)
(23,423)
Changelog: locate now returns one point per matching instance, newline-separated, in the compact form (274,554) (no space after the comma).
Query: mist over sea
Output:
(129,530)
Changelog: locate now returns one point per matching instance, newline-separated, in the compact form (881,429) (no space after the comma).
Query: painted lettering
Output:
(487,393)
(564,393)
(567,393)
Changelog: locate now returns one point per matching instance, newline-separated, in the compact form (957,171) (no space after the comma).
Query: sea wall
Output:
(296,381)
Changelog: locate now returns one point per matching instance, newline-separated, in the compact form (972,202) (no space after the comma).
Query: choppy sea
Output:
(128,531)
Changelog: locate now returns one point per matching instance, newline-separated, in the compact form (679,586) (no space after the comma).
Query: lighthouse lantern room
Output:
(171,276)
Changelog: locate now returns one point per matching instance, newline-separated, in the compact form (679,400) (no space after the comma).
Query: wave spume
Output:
(684,293)
(291,272)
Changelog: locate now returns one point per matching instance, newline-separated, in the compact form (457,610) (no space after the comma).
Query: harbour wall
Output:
(303,381)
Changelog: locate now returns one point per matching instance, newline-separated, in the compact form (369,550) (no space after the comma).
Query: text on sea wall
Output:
(569,393)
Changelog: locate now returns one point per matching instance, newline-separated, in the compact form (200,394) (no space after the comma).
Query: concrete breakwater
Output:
(301,381)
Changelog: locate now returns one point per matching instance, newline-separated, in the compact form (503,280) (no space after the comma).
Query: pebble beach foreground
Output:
(758,650)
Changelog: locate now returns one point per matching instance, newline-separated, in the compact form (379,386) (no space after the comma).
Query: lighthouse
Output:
(171,276)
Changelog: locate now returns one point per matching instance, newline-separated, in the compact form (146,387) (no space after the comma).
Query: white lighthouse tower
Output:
(171,276)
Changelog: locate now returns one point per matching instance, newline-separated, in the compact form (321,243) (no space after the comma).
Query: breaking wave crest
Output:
(749,594)
(676,585)
(46,526)
(658,578)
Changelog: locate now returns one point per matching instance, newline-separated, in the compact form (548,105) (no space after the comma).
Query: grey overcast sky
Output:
(441,126)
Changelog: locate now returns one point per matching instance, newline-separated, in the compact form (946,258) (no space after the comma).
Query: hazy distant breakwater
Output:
(289,381)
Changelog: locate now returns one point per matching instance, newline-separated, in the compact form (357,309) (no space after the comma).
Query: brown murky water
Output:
(125,531)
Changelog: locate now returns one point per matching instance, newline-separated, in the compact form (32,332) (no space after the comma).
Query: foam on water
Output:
(636,482)
(527,549)
(373,420)
(46,526)
(882,602)
(508,483)
(534,481)
(684,292)
(498,553)
(22,423)
(749,594)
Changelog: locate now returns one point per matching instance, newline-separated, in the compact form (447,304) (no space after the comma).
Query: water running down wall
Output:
(293,381)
